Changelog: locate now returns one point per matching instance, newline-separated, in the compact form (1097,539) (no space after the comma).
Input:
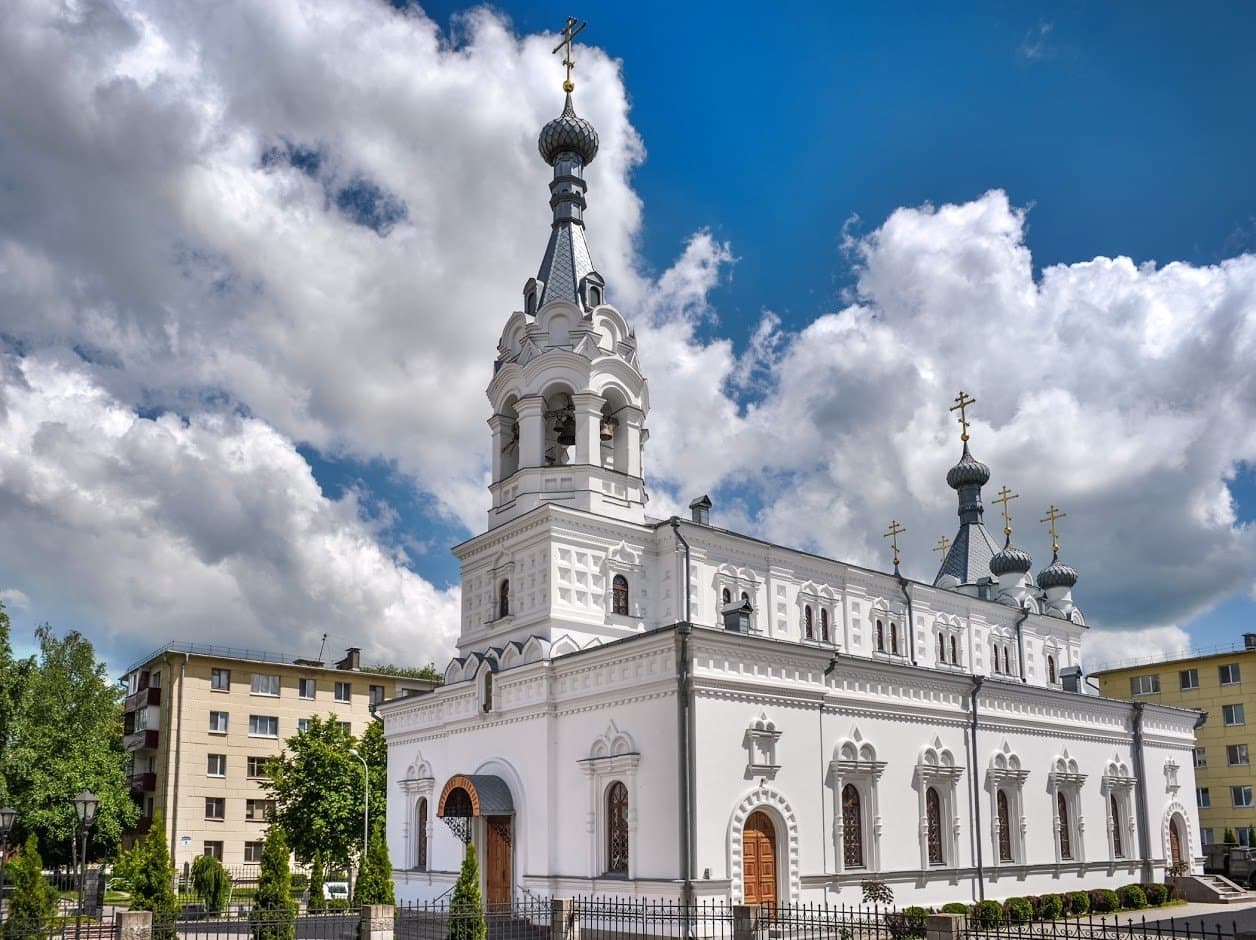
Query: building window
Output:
(303,725)
(212,849)
(1229,674)
(503,598)
(1062,820)
(1201,758)
(617,829)
(1232,714)
(1206,836)
(342,692)
(1236,755)
(1241,796)
(824,625)
(933,814)
(215,807)
(1145,685)
(726,597)
(258,810)
(217,765)
(954,652)
(808,627)
(264,684)
(1188,679)
(852,826)
(375,694)
(220,680)
(880,637)
(257,767)
(420,821)
(1007,664)
(941,648)
(1051,669)
(306,688)
(619,595)
(217,722)
(893,638)
(1203,799)
(1005,828)
(263,726)
(252,852)
(345,726)
(1114,810)
(488,690)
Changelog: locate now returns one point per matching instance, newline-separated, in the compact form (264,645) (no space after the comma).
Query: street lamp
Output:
(85,805)
(7,815)
(366,804)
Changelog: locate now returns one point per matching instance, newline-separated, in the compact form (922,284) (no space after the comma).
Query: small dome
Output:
(968,472)
(1010,559)
(1056,575)
(568,133)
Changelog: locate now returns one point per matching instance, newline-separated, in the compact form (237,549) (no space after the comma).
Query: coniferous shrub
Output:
(1018,910)
(152,881)
(317,901)
(1078,903)
(987,913)
(32,900)
(273,913)
(1104,900)
(1229,836)
(466,907)
(1156,894)
(375,884)
(955,907)
(1051,906)
(211,882)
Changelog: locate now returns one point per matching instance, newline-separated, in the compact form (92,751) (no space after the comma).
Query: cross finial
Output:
(943,546)
(1005,497)
(895,531)
(962,401)
(1053,515)
(570,31)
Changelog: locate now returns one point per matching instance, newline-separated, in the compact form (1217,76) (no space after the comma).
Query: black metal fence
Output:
(523,918)
(1110,927)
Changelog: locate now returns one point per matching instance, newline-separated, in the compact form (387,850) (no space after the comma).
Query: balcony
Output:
(143,783)
(142,698)
(140,741)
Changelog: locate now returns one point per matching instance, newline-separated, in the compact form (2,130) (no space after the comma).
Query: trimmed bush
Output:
(1078,903)
(1104,901)
(955,907)
(987,913)
(907,923)
(1050,906)
(1156,894)
(1132,897)
(1018,910)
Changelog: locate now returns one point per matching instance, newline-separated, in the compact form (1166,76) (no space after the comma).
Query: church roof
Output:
(565,265)
(970,554)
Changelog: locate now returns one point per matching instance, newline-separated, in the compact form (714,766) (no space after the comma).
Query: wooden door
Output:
(497,833)
(758,854)
(1175,843)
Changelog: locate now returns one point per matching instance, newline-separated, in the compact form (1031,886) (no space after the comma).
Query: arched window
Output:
(824,624)
(880,637)
(617,829)
(941,648)
(726,597)
(1007,665)
(808,626)
(1005,829)
(1066,837)
(852,827)
(893,638)
(954,652)
(619,595)
(933,817)
(1051,669)
(1115,810)
(420,826)
(488,691)
(503,598)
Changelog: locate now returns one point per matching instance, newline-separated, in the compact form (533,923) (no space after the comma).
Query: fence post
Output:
(133,925)
(945,926)
(376,922)
(746,921)
(563,922)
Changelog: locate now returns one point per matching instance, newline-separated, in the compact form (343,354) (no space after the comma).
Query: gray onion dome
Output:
(570,132)
(1056,574)
(968,472)
(1010,559)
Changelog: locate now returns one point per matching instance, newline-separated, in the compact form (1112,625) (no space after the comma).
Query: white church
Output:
(665,708)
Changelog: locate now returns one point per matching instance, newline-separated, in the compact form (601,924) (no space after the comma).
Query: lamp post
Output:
(7,815)
(366,805)
(85,805)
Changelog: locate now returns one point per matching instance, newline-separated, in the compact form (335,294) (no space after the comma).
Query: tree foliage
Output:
(32,900)
(152,880)
(466,907)
(317,879)
(428,672)
(317,787)
(211,882)
(375,883)
(274,912)
(61,730)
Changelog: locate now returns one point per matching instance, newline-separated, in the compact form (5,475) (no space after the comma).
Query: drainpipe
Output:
(911,620)
(1020,641)
(172,779)
(976,790)
(1140,794)
(684,724)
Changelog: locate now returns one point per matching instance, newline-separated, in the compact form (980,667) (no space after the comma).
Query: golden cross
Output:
(1053,515)
(1005,497)
(962,401)
(570,31)
(895,531)
(943,544)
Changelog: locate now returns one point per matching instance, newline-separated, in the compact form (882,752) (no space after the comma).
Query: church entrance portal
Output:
(758,853)
(1175,842)
(479,806)
(497,863)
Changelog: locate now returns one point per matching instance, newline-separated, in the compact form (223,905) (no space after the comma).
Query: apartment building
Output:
(1223,684)
(201,722)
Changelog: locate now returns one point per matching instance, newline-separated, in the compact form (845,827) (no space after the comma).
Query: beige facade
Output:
(200,722)
(1223,684)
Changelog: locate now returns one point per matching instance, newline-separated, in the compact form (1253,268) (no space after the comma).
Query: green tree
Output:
(13,675)
(274,911)
(211,882)
(466,907)
(152,880)
(62,719)
(32,901)
(375,883)
(317,879)
(428,672)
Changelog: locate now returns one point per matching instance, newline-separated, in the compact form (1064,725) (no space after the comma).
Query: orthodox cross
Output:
(1053,515)
(1005,497)
(943,544)
(895,531)
(570,32)
(962,401)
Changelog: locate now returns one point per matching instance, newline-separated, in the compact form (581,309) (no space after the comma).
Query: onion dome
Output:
(1010,560)
(968,472)
(568,133)
(1056,574)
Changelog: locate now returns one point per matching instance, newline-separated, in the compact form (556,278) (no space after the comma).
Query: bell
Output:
(606,430)
(566,428)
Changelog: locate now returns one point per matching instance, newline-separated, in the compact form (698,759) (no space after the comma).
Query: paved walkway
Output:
(1227,917)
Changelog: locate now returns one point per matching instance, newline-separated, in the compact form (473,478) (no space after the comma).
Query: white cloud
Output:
(1127,647)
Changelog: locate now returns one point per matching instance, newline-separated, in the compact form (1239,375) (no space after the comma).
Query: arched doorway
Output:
(758,852)
(1175,842)
(484,797)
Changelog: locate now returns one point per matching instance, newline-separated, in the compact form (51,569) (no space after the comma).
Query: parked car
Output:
(336,890)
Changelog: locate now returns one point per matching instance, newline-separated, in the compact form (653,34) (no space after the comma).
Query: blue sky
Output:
(253,266)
